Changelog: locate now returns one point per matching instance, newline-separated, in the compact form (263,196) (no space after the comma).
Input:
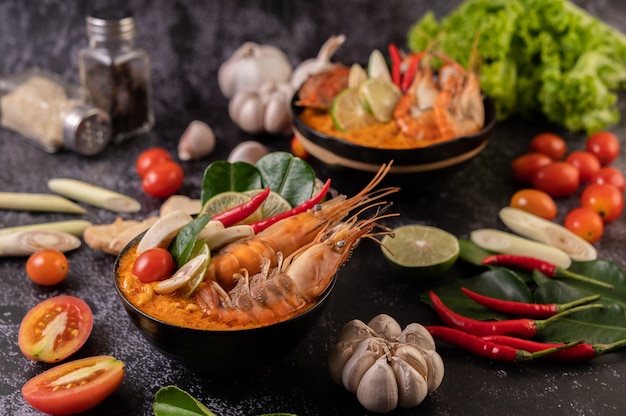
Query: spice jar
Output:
(117,73)
(52,113)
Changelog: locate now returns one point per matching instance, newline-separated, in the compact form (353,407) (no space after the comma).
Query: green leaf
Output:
(173,401)
(291,177)
(222,176)
(471,253)
(183,244)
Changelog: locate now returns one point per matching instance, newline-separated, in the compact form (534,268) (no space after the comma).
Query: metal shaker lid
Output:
(87,130)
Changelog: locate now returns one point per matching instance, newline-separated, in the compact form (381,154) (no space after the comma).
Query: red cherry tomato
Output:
(150,158)
(163,180)
(297,149)
(604,199)
(585,223)
(557,179)
(525,166)
(75,386)
(55,329)
(536,202)
(610,175)
(549,144)
(154,264)
(47,267)
(586,163)
(604,145)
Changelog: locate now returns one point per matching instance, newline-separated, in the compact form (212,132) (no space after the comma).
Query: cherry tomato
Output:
(549,144)
(297,149)
(557,179)
(47,267)
(75,386)
(525,166)
(611,175)
(586,163)
(163,180)
(604,199)
(150,158)
(604,145)
(536,202)
(585,223)
(55,328)
(154,264)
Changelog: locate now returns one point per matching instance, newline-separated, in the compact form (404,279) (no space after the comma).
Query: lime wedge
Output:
(356,76)
(226,200)
(420,251)
(274,204)
(380,96)
(348,112)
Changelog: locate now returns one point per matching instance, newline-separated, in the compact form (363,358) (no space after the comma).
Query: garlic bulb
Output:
(318,64)
(386,366)
(250,66)
(263,109)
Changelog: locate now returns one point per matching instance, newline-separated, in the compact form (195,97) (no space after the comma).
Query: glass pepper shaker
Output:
(117,73)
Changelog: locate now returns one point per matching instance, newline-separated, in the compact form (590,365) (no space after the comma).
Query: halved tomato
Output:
(75,386)
(55,329)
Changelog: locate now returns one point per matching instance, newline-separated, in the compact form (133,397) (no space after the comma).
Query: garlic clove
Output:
(385,326)
(277,117)
(412,386)
(435,369)
(414,357)
(365,354)
(338,356)
(355,330)
(246,109)
(249,151)
(417,334)
(197,141)
(378,389)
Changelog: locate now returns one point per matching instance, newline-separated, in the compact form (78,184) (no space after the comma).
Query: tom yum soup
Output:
(419,108)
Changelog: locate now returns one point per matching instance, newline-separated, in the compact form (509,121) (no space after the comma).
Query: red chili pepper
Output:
(243,211)
(576,353)
(396,63)
(530,264)
(521,327)
(527,310)
(488,349)
(411,70)
(263,224)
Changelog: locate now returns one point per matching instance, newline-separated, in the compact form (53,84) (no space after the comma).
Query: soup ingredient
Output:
(318,64)
(163,231)
(320,90)
(547,232)
(112,238)
(263,109)
(604,145)
(251,65)
(526,310)
(420,251)
(230,199)
(550,144)
(47,267)
(605,199)
(197,141)
(27,242)
(55,328)
(585,223)
(149,158)
(557,179)
(249,151)
(38,202)
(586,163)
(348,112)
(379,96)
(172,401)
(531,264)
(74,387)
(356,76)
(189,276)
(377,66)
(611,175)
(163,180)
(94,195)
(525,166)
(536,202)
(74,227)
(381,364)
(242,211)
(153,265)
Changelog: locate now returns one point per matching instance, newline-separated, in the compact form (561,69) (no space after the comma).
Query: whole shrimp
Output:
(275,294)
(288,235)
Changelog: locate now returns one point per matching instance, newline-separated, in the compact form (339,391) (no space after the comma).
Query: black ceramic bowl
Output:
(222,350)
(336,151)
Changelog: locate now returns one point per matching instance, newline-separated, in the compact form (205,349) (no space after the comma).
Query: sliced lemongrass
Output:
(163,231)
(507,243)
(217,238)
(547,232)
(74,227)
(190,270)
(25,243)
(38,202)
(93,195)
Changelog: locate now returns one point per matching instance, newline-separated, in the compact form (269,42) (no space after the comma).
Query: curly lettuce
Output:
(536,55)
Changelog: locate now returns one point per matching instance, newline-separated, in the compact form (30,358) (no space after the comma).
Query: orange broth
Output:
(173,309)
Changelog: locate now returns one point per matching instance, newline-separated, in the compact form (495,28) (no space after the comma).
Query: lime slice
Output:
(274,204)
(380,96)
(348,112)
(420,251)
(226,200)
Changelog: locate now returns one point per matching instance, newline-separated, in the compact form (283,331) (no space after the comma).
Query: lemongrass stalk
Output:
(38,202)
(93,195)
(25,243)
(74,227)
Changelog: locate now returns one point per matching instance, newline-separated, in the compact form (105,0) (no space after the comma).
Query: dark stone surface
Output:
(188,40)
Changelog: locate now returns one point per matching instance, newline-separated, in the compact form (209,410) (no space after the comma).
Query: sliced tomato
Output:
(55,329)
(75,386)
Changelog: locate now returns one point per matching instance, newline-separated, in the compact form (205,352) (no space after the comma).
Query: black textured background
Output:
(187,41)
